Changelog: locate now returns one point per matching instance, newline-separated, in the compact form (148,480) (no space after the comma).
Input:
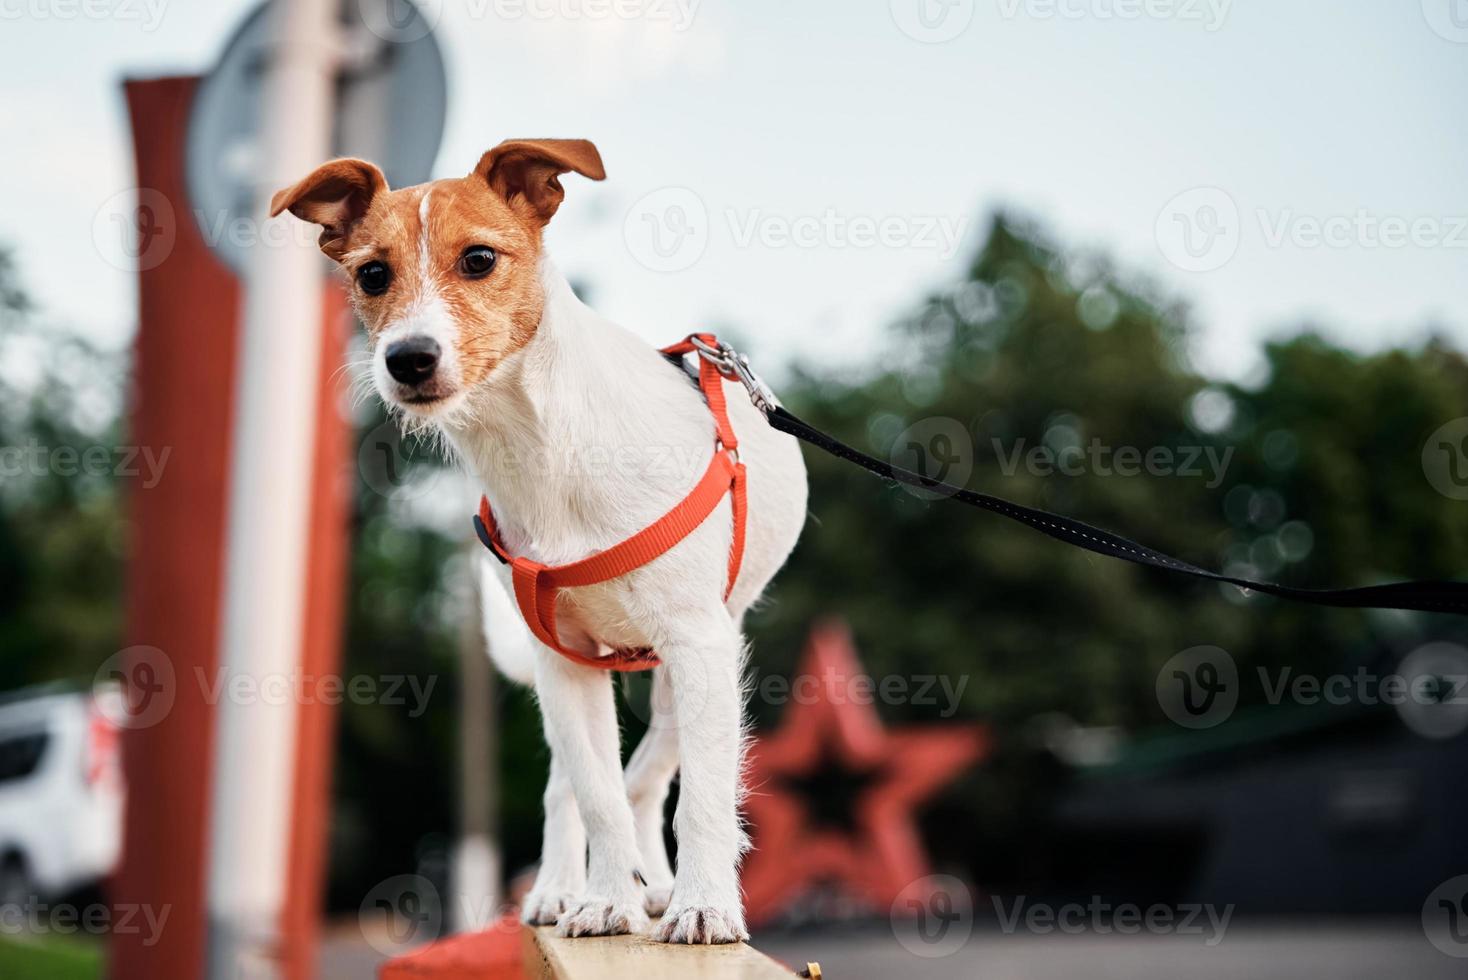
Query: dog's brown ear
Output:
(333,196)
(526,173)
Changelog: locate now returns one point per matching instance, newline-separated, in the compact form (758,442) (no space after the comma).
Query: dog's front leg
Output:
(581,727)
(561,879)
(706,905)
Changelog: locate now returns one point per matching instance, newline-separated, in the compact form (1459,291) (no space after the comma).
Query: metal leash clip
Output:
(735,366)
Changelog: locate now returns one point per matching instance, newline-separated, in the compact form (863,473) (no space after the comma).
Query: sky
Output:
(804,172)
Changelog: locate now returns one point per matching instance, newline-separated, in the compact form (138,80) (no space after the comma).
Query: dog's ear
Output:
(333,196)
(526,173)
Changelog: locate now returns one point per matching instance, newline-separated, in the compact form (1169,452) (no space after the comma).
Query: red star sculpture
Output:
(832,725)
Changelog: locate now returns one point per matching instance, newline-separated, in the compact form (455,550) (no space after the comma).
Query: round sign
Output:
(392,95)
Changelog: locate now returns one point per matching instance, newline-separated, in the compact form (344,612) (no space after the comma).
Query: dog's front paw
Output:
(598,917)
(701,925)
(544,907)
(657,898)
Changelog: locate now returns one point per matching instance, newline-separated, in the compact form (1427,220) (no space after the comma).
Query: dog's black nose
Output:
(412,361)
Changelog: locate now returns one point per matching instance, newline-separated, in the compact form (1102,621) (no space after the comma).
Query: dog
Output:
(580,435)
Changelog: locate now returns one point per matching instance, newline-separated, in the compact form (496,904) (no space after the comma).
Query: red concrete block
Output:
(494,954)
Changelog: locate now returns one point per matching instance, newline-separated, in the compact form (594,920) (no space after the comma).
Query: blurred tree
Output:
(1311,477)
(61,531)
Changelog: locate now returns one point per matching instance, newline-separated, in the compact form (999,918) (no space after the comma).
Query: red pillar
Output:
(182,395)
(182,377)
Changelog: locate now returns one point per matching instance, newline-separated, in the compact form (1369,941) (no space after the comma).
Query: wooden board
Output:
(550,958)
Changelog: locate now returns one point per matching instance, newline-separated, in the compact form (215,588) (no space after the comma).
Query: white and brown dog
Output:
(569,423)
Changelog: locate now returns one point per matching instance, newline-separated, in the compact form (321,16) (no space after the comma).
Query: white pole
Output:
(270,485)
(476,860)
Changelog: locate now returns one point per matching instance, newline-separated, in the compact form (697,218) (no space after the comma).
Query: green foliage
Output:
(1323,485)
(61,530)
(51,960)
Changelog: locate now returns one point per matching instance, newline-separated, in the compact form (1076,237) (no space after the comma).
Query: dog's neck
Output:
(583,436)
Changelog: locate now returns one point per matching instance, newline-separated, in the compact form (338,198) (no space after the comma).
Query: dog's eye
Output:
(374,278)
(477,261)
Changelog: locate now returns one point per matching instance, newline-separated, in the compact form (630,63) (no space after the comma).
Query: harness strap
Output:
(537,586)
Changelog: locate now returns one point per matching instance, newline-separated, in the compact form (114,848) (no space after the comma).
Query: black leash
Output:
(1444,597)
(1439,597)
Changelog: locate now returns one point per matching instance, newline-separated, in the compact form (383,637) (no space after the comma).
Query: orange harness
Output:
(537,585)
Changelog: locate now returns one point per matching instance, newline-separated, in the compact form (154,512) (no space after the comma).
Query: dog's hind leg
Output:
(649,772)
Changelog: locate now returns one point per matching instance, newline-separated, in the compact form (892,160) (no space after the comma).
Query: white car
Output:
(61,791)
